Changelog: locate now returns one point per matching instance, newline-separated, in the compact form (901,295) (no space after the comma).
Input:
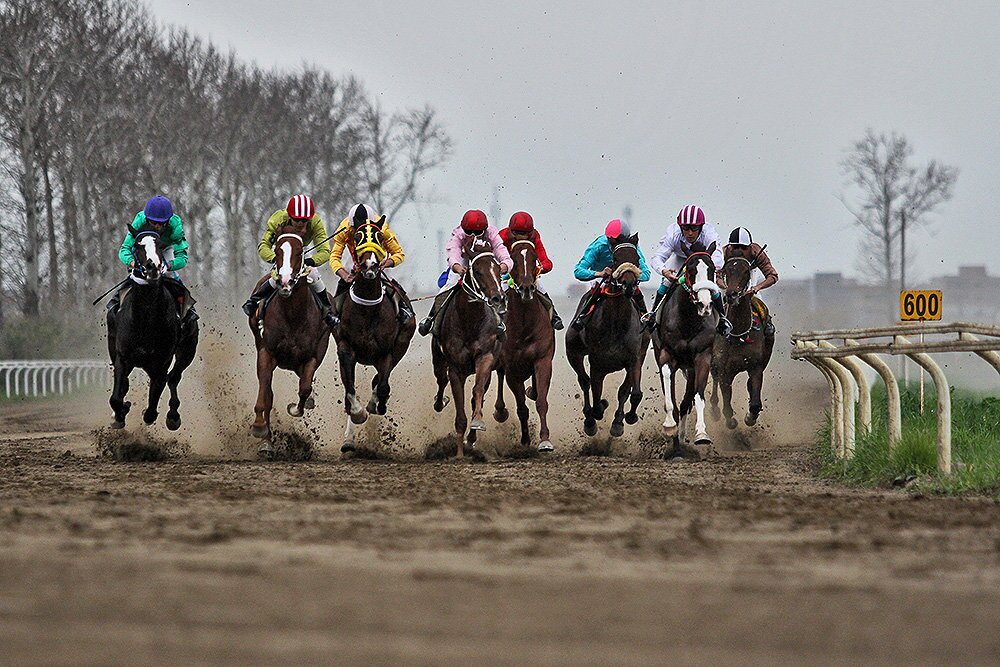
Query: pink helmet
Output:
(691,215)
(617,229)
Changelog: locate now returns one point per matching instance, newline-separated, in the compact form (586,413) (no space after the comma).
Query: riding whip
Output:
(757,256)
(110,291)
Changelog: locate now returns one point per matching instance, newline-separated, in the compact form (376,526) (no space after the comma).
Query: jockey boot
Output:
(725,327)
(331,318)
(190,317)
(557,322)
(115,302)
(649,319)
(428,322)
(404,309)
(584,312)
(262,292)
(769,328)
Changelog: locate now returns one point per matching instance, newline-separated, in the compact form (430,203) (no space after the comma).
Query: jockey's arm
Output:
(125,251)
(587,268)
(663,252)
(317,235)
(544,263)
(396,254)
(499,249)
(180,245)
(770,274)
(265,249)
(644,271)
(337,251)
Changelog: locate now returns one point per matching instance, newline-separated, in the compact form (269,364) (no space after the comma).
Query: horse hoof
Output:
(731,423)
(604,404)
(617,429)
(310,403)
(359,417)
(118,424)
(372,405)
(260,431)
(590,427)
(545,446)
(477,425)
(266,451)
(631,418)
(750,419)
(173,422)
(702,439)
(347,448)
(381,409)
(439,405)
(294,410)
(531,393)
(670,431)
(716,412)
(501,414)
(148,418)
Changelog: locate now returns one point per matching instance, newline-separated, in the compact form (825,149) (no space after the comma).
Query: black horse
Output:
(614,339)
(146,332)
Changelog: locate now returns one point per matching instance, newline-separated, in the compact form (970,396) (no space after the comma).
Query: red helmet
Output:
(521,222)
(691,215)
(474,221)
(300,207)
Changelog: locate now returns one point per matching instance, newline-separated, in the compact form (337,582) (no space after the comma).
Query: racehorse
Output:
(683,340)
(746,349)
(614,339)
(293,335)
(529,347)
(370,332)
(469,340)
(146,333)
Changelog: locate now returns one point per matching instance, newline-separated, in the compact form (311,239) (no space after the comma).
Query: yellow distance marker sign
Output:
(916,305)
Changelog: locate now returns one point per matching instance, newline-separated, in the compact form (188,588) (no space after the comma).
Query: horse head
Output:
(736,277)
(483,275)
(147,253)
(699,277)
(288,257)
(525,271)
(625,262)
(369,247)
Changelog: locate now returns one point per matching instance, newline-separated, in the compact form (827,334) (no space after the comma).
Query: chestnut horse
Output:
(146,333)
(293,336)
(746,349)
(683,340)
(370,332)
(469,341)
(529,348)
(614,339)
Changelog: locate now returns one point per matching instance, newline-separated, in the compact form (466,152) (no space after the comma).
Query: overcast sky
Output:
(577,109)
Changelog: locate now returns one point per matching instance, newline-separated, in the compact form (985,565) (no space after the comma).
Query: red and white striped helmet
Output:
(301,207)
(691,215)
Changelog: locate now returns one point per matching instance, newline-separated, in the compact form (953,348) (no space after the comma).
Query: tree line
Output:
(102,107)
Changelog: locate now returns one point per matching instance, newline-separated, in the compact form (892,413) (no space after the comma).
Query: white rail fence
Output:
(50,376)
(841,365)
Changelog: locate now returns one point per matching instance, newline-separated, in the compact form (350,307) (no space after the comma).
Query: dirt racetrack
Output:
(568,560)
(212,556)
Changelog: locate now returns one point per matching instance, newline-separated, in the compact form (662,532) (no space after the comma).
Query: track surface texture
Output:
(567,560)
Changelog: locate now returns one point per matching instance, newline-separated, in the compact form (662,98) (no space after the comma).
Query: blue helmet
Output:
(158,209)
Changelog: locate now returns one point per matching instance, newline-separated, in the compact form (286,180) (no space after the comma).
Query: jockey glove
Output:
(309,262)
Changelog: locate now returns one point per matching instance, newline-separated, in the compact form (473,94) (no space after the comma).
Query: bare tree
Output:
(894,196)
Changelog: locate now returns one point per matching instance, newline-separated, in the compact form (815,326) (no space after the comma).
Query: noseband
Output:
(303,270)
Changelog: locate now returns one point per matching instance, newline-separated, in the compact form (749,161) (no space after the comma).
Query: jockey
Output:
(299,208)
(474,223)
(596,264)
(158,216)
(344,238)
(741,245)
(674,249)
(522,228)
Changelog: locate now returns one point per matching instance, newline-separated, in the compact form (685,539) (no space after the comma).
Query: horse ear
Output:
(360,216)
(634,239)
(711,249)
(380,222)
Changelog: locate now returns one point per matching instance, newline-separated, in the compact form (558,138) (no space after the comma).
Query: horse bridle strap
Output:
(469,282)
(367,302)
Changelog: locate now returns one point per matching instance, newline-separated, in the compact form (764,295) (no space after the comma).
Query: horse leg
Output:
(755,382)
(306,375)
(618,423)
(265,398)
(118,403)
(484,372)
(461,421)
(543,377)
(352,406)
(576,361)
(714,399)
(635,373)
(686,404)
(157,383)
(702,369)
(522,411)
(727,400)
(667,372)
(185,355)
(381,393)
(441,375)
(597,389)
(500,412)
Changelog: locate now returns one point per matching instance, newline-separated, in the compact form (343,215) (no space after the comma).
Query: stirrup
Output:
(425,326)
(250,307)
(725,327)
(331,320)
(577,324)
(557,322)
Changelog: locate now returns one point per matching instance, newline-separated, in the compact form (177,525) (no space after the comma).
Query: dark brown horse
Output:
(293,337)
(469,342)
(746,350)
(614,339)
(683,340)
(370,332)
(530,345)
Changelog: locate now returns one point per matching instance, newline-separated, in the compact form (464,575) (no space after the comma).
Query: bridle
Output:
(302,270)
(139,274)
(622,268)
(527,242)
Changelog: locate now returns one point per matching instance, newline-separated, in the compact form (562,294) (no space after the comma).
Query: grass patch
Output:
(975,446)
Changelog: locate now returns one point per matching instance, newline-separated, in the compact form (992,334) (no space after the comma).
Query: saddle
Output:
(178,290)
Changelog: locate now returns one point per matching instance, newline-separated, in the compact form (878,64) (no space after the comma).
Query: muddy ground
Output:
(566,560)
(212,556)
